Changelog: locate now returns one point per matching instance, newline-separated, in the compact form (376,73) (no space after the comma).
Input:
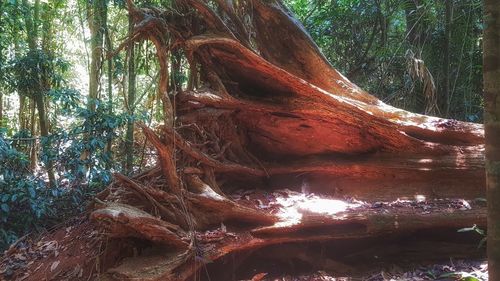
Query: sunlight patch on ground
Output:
(293,205)
(420,198)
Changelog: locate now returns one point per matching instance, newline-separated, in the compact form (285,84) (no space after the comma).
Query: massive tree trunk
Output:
(491,74)
(275,146)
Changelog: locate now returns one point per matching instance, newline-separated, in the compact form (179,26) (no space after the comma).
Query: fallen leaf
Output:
(259,277)
(20,257)
(54,265)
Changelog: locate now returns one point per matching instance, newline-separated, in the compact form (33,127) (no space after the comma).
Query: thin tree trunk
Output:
(413,24)
(22,112)
(31,124)
(109,48)
(96,15)
(413,36)
(31,21)
(1,58)
(96,11)
(1,108)
(491,76)
(44,132)
(38,92)
(129,137)
(447,55)
(22,98)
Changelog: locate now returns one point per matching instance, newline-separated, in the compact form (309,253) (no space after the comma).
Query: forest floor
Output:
(73,251)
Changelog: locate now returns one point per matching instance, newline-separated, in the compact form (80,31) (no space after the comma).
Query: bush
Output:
(82,163)
(24,198)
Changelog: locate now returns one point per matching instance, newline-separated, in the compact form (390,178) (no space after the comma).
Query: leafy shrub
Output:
(83,164)
(24,198)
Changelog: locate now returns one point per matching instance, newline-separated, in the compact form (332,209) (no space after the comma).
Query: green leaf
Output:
(31,190)
(462,276)
(5,197)
(469,278)
(466,229)
(448,274)
(482,242)
(473,228)
(5,207)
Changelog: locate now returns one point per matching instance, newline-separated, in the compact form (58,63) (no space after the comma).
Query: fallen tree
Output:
(263,111)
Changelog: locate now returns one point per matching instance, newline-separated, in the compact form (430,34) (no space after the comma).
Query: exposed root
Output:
(265,114)
(152,265)
(126,221)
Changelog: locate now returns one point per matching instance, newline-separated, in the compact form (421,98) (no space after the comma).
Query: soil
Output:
(68,253)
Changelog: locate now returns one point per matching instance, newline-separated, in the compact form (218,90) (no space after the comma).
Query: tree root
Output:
(126,221)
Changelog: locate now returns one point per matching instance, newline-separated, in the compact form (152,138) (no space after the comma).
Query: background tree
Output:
(130,104)
(491,69)
(96,17)
(397,50)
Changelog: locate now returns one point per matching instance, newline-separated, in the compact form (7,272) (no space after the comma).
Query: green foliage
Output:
(369,42)
(477,230)
(460,276)
(37,70)
(24,199)
(84,146)
(90,137)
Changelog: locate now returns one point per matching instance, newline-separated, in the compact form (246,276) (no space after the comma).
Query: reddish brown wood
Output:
(269,112)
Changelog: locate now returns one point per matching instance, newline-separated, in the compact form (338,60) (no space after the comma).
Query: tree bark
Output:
(43,89)
(491,74)
(1,109)
(272,111)
(44,132)
(447,55)
(96,13)
(129,136)
(2,57)
(109,48)
(37,93)
(272,146)
(414,30)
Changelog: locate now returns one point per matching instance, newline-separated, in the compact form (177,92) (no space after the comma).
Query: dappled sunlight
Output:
(420,198)
(425,161)
(293,205)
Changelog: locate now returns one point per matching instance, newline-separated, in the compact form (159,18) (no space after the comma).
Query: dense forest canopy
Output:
(82,83)
(398,50)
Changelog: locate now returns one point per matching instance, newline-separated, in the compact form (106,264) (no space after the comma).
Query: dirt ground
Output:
(68,253)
